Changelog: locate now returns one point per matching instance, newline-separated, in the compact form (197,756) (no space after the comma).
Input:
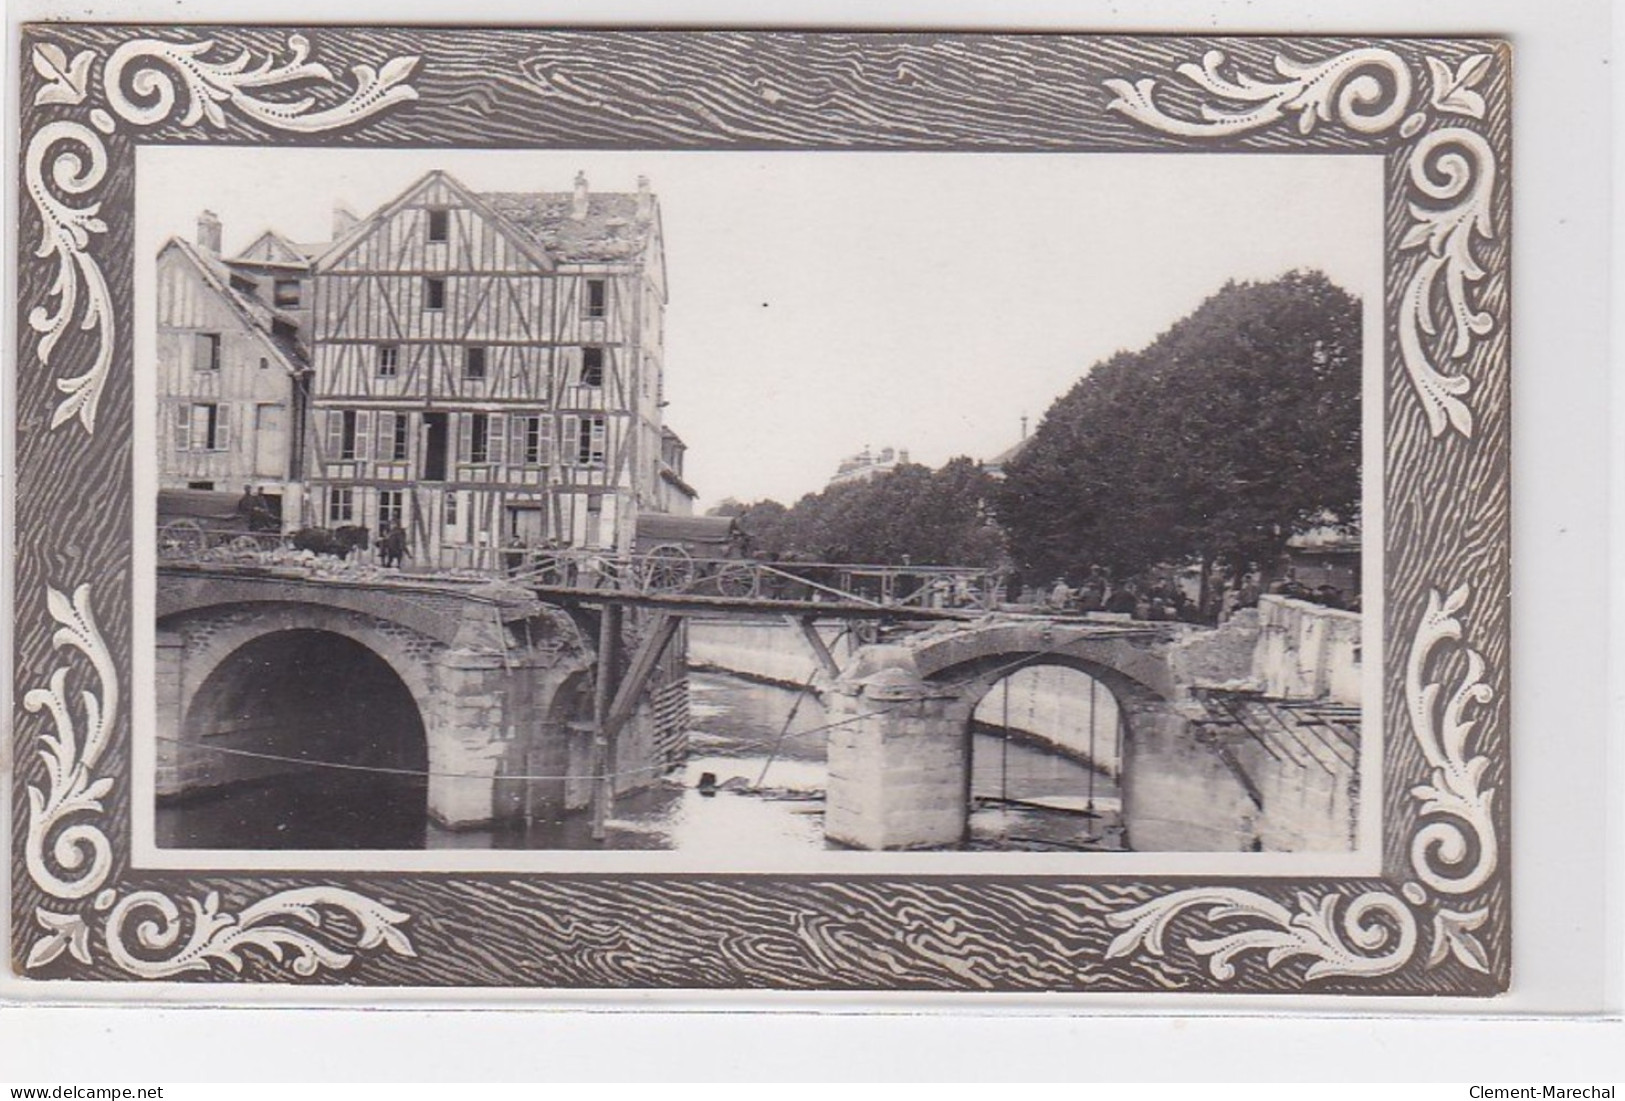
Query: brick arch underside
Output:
(226,630)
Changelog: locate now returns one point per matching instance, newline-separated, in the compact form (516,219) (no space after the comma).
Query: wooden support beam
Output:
(603,785)
(809,631)
(637,676)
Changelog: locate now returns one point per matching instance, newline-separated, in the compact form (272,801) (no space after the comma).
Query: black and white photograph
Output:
(731,510)
(1099,592)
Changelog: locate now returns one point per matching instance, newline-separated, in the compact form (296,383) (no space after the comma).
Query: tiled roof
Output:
(610,231)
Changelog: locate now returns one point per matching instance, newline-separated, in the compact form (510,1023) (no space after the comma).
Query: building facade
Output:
(232,378)
(488,369)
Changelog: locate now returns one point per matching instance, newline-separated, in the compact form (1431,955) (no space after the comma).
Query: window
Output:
(590,441)
(340,505)
(264,363)
(479,439)
(474,362)
(344,432)
(437,224)
(201,427)
(535,442)
(592,366)
(451,510)
(389,360)
(397,446)
(244,285)
(206,355)
(391,507)
(434,294)
(597,298)
(286,293)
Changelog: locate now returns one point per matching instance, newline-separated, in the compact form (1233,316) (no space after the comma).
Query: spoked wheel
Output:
(244,544)
(736,579)
(182,538)
(667,569)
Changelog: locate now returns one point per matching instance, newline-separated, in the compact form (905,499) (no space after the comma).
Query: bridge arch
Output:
(258,691)
(905,712)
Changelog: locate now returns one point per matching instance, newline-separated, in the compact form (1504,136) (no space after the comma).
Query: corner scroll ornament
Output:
(139,83)
(1453,853)
(1452,172)
(70,857)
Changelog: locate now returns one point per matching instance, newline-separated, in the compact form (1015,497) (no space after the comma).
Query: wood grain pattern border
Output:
(1437,921)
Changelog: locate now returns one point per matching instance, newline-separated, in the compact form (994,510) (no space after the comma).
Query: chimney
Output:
(208,232)
(902,456)
(343,220)
(578,205)
(645,200)
(1023,426)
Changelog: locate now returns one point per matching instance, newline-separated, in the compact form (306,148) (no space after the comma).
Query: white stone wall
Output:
(766,649)
(1306,651)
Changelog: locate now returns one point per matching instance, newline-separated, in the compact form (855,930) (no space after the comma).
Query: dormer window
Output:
(438,224)
(286,293)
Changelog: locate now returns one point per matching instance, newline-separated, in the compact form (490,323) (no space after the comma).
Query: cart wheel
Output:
(736,579)
(245,544)
(182,538)
(667,569)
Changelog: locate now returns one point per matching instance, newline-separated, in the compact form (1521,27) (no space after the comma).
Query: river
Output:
(753,784)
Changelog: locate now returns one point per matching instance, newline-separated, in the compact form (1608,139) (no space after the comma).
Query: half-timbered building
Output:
(232,378)
(488,369)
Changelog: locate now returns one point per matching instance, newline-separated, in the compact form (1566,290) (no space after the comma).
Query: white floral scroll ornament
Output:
(139,82)
(1377,933)
(69,856)
(1452,170)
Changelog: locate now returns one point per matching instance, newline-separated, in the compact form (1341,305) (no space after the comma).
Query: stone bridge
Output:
(900,746)
(457,686)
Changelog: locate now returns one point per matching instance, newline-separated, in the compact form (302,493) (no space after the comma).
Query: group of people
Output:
(1162,597)
(392,546)
(1156,598)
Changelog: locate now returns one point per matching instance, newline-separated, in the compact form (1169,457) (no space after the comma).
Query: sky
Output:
(824,302)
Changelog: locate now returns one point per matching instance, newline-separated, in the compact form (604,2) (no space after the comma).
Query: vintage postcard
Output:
(526,509)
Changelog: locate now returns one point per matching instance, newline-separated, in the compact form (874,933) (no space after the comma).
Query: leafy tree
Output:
(908,514)
(1233,430)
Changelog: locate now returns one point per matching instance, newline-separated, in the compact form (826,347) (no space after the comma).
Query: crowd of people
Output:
(1165,596)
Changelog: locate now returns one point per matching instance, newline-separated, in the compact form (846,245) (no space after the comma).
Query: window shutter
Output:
(386,435)
(222,428)
(546,449)
(465,437)
(572,435)
(363,433)
(599,435)
(183,426)
(517,426)
(335,435)
(497,439)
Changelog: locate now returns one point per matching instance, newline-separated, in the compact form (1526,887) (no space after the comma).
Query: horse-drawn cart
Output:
(694,554)
(194,521)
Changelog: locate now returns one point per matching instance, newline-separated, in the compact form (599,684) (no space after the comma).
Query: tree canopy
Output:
(1233,430)
(910,513)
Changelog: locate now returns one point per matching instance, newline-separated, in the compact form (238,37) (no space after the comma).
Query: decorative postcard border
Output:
(1435,922)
